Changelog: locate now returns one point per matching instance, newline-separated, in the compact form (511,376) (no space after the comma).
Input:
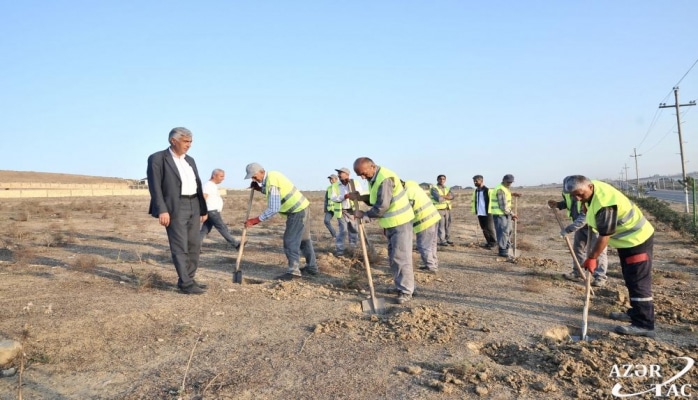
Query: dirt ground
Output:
(89,289)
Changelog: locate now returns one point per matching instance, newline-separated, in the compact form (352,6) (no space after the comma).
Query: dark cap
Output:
(508,178)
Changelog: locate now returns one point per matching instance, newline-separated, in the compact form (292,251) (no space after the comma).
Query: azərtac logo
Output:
(665,389)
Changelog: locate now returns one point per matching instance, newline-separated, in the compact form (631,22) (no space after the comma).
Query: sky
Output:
(537,89)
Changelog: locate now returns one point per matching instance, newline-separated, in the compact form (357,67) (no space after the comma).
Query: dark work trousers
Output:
(329,216)
(636,263)
(487,225)
(185,244)
(215,220)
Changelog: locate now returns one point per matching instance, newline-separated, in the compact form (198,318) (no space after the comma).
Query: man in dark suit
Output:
(177,200)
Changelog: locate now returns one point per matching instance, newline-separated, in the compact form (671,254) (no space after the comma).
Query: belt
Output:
(188,196)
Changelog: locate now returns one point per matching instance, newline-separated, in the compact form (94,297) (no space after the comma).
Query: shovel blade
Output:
(237,277)
(367,306)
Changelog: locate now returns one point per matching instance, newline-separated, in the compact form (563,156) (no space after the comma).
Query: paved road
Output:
(671,195)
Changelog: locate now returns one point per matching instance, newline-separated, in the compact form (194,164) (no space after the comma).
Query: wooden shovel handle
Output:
(244,232)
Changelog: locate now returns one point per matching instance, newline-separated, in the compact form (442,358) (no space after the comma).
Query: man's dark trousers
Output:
(185,244)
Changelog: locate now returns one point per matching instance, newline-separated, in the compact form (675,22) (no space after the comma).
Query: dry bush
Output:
(86,262)
(533,285)
(22,215)
(64,214)
(148,280)
(23,255)
(17,231)
(657,278)
(524,245)
(685,261)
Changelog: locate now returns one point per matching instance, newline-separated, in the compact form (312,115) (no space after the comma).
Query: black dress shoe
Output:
(201,285)
(193,289)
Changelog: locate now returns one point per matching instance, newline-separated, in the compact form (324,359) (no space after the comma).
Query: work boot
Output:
(620,316)
(309,270)
(403,298)
(426,270)
(599,282)
(200,284)
(633,330)
(572,276)
(193,289)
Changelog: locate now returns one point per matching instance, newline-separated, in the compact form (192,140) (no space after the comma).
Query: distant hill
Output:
(49,177)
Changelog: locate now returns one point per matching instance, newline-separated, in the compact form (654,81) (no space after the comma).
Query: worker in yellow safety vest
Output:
(390,206)
(424,225)
(503,215)
(285,199)
(332,210)
(621,225)
(441,196)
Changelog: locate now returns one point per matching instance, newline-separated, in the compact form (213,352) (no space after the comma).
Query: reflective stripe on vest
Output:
(494,200)
(632,228)
(441,205)
(425,214)
(400,211)
(292,200)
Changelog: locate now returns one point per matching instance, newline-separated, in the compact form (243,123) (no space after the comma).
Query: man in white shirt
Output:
(214,204)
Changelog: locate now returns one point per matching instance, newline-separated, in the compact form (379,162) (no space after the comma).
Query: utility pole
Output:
(626,176)
(637,174)
(678,125)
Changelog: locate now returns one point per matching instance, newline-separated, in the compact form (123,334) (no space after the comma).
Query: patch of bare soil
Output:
(89,289)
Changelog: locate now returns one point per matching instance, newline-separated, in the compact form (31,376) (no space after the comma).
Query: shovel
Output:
(585,312)
(517,253)
(374,305)
(580,271)
(237,274)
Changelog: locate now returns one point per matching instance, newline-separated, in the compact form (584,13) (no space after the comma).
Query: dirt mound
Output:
(423,323)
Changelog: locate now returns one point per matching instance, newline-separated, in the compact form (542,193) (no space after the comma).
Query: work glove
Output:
(252,222)
(552,203)
(352,196)
(590,264)
(255,186)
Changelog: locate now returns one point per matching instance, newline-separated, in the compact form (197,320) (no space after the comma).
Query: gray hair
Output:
(574,182)
(179,132)
(217,171)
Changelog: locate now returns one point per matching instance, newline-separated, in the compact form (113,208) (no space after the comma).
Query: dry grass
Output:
(86,262)
(23,255)
(17,231)
(678,275)
(534,285)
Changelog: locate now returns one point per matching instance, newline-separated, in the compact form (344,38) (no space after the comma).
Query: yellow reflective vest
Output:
(494,201)
(632,228)
(333,206)
(441,205)
(292,200)
(568,203)
(400,211)
(425,214)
